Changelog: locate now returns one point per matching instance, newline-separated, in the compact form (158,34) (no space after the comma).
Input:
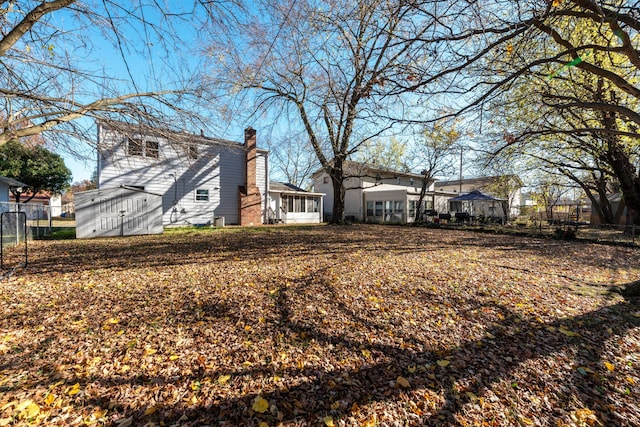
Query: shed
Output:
(117,211)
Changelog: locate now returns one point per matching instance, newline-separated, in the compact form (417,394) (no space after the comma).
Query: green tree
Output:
(35,166)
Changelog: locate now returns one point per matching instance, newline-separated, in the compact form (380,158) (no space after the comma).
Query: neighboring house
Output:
(202,180)
(42,205)
(506,188)
(375,194)
(289,204)
(6,184)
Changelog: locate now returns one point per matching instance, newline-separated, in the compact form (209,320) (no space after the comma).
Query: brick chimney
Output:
(250,198)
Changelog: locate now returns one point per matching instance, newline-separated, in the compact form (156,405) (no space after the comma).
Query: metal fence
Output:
(38,221)
(608,233)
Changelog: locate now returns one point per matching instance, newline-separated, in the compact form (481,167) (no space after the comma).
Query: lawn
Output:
(357,326)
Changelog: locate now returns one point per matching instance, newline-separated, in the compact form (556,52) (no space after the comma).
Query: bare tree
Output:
(293,159)
(49,80)
(328,67)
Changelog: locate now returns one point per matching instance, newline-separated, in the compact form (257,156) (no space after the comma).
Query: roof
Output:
(12,182)
(478,180)
(166,133)
(473,196)
(283,187)
(126,187)
(352,168)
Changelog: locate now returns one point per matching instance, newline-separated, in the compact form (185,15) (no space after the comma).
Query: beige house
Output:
(375,194)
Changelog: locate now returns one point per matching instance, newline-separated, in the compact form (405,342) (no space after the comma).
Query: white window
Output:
(202,195)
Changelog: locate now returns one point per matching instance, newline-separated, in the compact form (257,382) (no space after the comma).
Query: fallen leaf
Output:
(443,363)
(609,366)
(402,381)
(260,405)
(224,379)
(328,421)
(150,410)
(75,389)
(568,332)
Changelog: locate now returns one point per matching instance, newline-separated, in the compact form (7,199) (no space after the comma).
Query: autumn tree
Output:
(35,166)
(48,83)
(330,68)
(571,65)
(387,154)
(433,155)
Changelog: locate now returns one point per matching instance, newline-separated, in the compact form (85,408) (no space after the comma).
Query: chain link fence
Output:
(38,222)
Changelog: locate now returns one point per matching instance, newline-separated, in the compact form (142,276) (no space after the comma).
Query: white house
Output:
(202,180)
(289,204)
(375,194)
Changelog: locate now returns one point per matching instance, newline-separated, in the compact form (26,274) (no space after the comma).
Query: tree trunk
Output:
(423,190)
(337,180)
(629,181)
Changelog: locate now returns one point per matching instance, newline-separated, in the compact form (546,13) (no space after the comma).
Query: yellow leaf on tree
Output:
(443,363)
(609,366)
(328,421)
(403,382)
(260,405)
(224,379)
(556,3)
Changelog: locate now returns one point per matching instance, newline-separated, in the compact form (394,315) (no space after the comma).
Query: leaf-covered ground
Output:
(360,325)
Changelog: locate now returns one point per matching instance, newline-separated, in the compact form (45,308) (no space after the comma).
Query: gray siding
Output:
(219,169)
(111,212)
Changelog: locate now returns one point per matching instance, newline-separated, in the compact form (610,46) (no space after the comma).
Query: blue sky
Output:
(154,65)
